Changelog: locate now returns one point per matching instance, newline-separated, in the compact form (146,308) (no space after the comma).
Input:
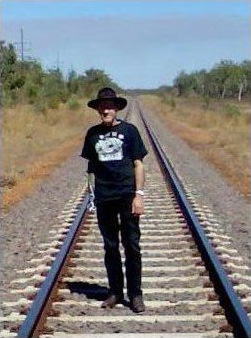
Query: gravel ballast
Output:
(27,224)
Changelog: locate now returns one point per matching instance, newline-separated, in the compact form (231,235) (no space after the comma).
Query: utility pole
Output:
(58,62)
(22,47)
(22,44)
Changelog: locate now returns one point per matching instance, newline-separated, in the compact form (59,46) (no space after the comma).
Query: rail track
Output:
(194,283)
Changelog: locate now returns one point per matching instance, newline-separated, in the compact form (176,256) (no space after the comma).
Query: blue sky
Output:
(140,44)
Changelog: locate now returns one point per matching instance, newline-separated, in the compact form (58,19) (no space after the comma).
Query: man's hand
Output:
(138,205)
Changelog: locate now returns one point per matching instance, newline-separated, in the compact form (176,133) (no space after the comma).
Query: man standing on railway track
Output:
(115,152)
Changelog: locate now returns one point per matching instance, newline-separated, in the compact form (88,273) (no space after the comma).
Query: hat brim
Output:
(120,102)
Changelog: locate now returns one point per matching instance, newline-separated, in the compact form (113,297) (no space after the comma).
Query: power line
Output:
(23,47)
(58,62)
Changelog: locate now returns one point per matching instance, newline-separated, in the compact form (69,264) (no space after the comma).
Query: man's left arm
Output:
(138,201)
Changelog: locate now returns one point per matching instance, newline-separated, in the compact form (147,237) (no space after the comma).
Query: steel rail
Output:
(29,328)
(236,315)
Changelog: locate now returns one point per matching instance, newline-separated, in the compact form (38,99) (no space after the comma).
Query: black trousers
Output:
(108,220)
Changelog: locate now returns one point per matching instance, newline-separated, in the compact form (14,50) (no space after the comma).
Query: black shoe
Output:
(111,301)
(137,304)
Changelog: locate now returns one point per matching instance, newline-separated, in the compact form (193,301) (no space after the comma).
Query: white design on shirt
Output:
(109,149)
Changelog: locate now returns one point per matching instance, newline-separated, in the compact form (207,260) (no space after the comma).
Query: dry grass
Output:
(34,144)
(221,140)
(40,169)
(26,135)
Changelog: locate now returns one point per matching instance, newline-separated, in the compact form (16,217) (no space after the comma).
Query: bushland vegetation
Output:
(227,79)
(26,82)
(44,117)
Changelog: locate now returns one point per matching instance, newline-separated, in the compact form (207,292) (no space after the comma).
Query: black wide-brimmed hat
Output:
(107,94)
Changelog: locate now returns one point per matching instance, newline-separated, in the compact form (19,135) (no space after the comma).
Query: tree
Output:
(54,86)
(238,80)
(73,82)
(94,79)
(221,74)
(246,67)
(11,78)
(225,79)
(199,81)
(26,81)
(184,83)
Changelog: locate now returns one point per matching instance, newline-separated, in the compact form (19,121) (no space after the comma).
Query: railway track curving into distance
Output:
(194,283)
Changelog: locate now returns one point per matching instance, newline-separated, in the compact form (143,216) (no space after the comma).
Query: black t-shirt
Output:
(111,152)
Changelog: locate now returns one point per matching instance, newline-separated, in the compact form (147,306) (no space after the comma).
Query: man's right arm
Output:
(86,153)
(91,206)
(91,180)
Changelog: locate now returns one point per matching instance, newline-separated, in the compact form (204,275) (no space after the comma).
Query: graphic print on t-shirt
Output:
(109,147)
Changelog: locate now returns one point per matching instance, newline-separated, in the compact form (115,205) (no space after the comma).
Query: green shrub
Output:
(172,102)
(53,102)
(206,102)
(166,99)
(231,110)
(73,103)
(9,98)
(40,106)
(63,95)
(31,91)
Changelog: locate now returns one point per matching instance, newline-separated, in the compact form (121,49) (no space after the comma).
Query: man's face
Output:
(108,112)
